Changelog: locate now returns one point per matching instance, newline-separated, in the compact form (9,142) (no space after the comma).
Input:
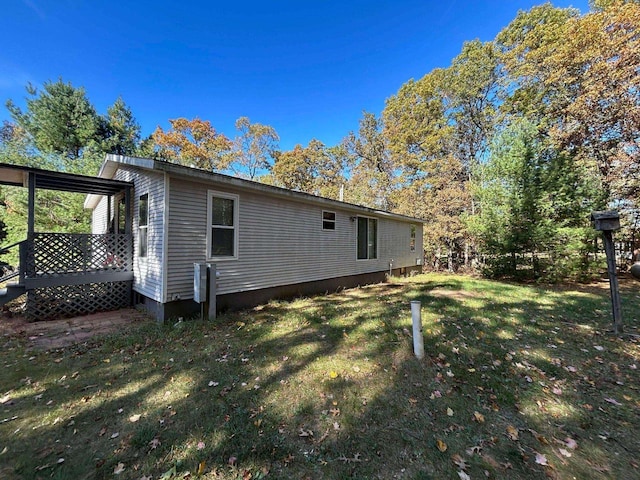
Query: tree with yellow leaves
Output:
(193,143)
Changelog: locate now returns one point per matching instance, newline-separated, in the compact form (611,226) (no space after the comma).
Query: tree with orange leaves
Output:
(193,143)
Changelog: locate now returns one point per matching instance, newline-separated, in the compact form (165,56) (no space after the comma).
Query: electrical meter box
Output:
(200,286)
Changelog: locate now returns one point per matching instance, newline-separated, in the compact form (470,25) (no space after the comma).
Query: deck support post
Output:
(31,212)
(128,211)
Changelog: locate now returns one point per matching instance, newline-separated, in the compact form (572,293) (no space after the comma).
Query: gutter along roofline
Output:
(111,163)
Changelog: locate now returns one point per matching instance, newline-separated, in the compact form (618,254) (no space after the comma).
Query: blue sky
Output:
(307,68)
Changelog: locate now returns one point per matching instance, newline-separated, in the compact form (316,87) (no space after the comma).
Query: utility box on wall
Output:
(200,282)
(608,220)
(204,288)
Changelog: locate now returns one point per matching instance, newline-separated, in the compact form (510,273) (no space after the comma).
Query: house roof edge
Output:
(110,166)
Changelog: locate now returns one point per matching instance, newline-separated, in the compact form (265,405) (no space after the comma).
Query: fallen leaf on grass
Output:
(355,458)
(449,412)
(512,432)
(564,452)
(48,465)
(155,443)
(539,437)
(475,450)
(134,418)
(571,443)
(464,476)
(441,445)
(459,461)
(613,401)
(541,459)
(119,469)
(323,437)
(201,466)
(305,433)
(478,417)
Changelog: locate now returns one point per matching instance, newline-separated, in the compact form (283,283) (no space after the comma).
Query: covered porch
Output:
(69,274)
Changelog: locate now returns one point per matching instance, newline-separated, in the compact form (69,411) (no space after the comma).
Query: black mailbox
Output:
(606,221)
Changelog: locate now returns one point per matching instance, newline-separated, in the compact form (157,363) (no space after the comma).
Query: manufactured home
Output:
(265,242)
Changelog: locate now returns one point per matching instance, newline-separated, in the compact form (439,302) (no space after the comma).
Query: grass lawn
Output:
(518,382)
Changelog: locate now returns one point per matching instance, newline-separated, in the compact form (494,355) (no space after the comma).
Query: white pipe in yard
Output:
(416,317)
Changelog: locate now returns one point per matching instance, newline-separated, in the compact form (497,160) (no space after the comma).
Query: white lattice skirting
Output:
(61,301)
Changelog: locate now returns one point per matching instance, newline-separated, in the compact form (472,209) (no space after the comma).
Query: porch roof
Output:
(18,175)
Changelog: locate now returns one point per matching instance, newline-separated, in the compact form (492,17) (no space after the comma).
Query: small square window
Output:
(328,220)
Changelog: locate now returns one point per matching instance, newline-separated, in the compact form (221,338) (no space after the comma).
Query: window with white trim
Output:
(143,225)
(222,226)
(367,238)
(328,220)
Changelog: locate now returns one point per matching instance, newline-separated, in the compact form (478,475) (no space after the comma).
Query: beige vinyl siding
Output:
(281,242)
(148,271)
(100,217)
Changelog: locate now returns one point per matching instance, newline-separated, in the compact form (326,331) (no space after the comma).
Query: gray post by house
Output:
(31,212)
(606,222)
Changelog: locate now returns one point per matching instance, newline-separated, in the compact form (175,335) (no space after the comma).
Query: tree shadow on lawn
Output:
(329,388)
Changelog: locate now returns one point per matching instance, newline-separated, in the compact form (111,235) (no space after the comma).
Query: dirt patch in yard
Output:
(69,331)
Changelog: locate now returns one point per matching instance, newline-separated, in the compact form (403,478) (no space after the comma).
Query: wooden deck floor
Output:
(69,331)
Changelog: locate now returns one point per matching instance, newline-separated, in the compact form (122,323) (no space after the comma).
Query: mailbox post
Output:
(606,222)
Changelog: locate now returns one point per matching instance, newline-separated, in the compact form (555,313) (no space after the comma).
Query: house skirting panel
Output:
(236,301)
(70,300)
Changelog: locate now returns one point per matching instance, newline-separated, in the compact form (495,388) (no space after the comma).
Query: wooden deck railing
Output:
(75,258)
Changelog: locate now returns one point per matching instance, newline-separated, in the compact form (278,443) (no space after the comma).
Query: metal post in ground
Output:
(416,317)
